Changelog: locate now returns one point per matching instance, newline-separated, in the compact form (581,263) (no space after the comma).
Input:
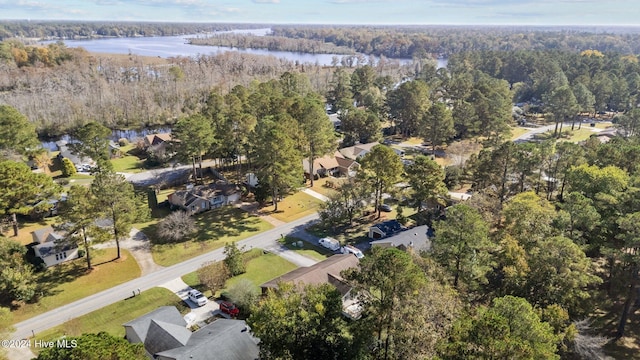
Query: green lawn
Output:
(293,207)
(307,249)
(260,269)
(110,318)
(215,228)
(320,185)
(517,131)
(128,162)
(70,281)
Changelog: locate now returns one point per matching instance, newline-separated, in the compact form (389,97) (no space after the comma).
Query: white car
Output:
(197,297)
(350,249)
(330,243)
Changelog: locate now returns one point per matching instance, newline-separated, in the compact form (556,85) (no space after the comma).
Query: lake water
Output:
(130,135)
(173,46)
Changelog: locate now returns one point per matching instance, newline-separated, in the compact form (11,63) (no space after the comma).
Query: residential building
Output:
(357,151)
(324,166)
(77,160)
(385,229)
(52,248)
(325,272)
(205,197)
(165,336)
(416,238)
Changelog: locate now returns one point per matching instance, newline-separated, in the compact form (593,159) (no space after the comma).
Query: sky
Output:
(383,12)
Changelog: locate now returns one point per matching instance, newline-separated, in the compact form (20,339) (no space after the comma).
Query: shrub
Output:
(123,142)
(68,169)
(244,294)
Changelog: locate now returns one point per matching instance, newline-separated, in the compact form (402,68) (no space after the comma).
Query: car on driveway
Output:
(330,243)
(229,308)
(350,249)
(385,207)
(197,297)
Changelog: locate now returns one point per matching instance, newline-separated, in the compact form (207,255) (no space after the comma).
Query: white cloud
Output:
(266,1)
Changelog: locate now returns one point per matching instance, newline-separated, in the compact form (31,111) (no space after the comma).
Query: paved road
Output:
(264,240)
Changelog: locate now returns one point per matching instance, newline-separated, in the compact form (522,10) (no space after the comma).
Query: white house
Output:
(52,248)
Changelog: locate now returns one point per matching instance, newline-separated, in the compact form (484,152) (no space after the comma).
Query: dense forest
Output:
(408,42)
(59,88)
(81,30)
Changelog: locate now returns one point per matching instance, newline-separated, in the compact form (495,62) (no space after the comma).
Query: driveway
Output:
(265,240)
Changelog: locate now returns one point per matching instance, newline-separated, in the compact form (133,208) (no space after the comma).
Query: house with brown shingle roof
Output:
(325,272)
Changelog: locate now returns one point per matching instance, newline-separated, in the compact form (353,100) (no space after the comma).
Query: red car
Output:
(229,308)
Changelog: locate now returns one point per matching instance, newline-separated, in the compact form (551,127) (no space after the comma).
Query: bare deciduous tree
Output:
(213,275)
(176,227)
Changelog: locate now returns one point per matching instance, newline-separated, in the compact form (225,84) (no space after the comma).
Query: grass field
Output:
(215,228)
(320,185)
(70,281)
(110,318)
(26,227)
(517,131)
(307,249)
(127,162)
(260,269)
(293,207)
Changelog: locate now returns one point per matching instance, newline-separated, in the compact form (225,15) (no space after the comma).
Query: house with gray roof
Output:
(205,197)
(165,336)
(416,238)
(385,229)
(52,248)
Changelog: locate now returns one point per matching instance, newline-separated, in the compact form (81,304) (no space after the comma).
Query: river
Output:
(172,46)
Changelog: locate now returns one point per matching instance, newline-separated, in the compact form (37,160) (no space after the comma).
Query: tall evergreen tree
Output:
(381,168)
(277,157)
(116,200)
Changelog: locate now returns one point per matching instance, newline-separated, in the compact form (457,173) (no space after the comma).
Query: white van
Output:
(330,243)
(350,249)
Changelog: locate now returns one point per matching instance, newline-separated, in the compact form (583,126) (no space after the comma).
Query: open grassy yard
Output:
(320,186)
(307,249)
(517,131)
(260,268)
(293,207)
(25,227)
(69,282)
(110,318)
(128,162)
(215,228)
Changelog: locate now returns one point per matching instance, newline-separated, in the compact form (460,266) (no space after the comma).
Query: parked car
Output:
(385,207)
(350,249)
(330,243)
(197,297)
(229,308)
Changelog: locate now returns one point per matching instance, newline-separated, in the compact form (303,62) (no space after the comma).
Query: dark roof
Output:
(389,227)
(223,339)
(166,314)
(163,336)
(417,238)
(326,271)
(205,192)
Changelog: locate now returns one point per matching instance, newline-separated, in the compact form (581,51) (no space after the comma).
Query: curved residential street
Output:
(267,240)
